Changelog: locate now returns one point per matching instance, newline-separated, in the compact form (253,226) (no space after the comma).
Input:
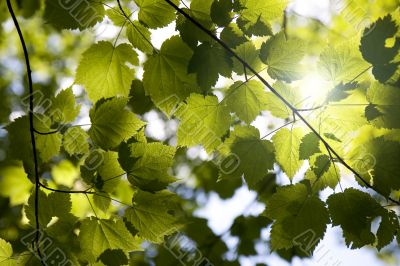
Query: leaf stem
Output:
(276,129)
(91,206)
(133,25)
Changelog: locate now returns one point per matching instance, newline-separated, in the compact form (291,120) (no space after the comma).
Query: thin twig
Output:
(84,192)
(45,133)
(361,73)
(276,129)
(133,25)
(66,191)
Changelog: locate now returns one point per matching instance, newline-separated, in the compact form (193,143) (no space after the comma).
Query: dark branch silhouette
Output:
(31,128)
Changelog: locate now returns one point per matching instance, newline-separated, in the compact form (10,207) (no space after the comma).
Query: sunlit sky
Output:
(221,213)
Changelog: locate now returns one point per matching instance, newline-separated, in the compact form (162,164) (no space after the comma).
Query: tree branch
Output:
(66,191)
(45,133)
(31,128)
(85,192)
(277,94)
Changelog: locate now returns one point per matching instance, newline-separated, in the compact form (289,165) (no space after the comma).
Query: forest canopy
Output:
(120,120)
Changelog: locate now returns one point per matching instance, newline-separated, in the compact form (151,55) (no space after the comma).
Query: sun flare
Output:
(314,90)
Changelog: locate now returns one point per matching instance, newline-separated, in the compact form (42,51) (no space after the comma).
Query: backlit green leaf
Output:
(155,215)
(112,123)
(156,13)
(287,143)
(203,121)
(283,56)
(103,70)
(98,235)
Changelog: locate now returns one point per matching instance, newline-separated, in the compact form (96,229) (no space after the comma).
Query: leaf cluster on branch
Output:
(104,192)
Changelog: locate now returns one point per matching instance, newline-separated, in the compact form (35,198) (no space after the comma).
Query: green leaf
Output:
(103,70)
(254,156)
(374,50)
(65,173)
(322,174)
(139,102)
(147,165)
(341,91)
(321,165)
(371,112)
(6,254)
(309,146)
(156,13)
(208,62)
(155,215)
(276,106)
(112,123)
(47,145)
(265,187)
(28,258)
(201,10)
(298,217)
(79,14)
(102,201)
(388,228)
(14,184)
(221,12)
(116,17)
(75,141)
(385,100)
(102,170)
(232,36)
(248,52)
(165,76)
(20,147)
(332,137)
(377,161)
(64,108)
(28,8)
(255,11)
(114,257)
(189,32)
(203,121)
(383,73)
(207,180)
(57,205)
(140,37)
(341,63)
(283,57)
(246,99)
(248,230)
(98,235)
(354,211)
(258,28)
(287,144)
(339,122)
(5,106)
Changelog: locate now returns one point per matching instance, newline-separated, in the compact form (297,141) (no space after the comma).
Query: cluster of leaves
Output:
(128,176)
